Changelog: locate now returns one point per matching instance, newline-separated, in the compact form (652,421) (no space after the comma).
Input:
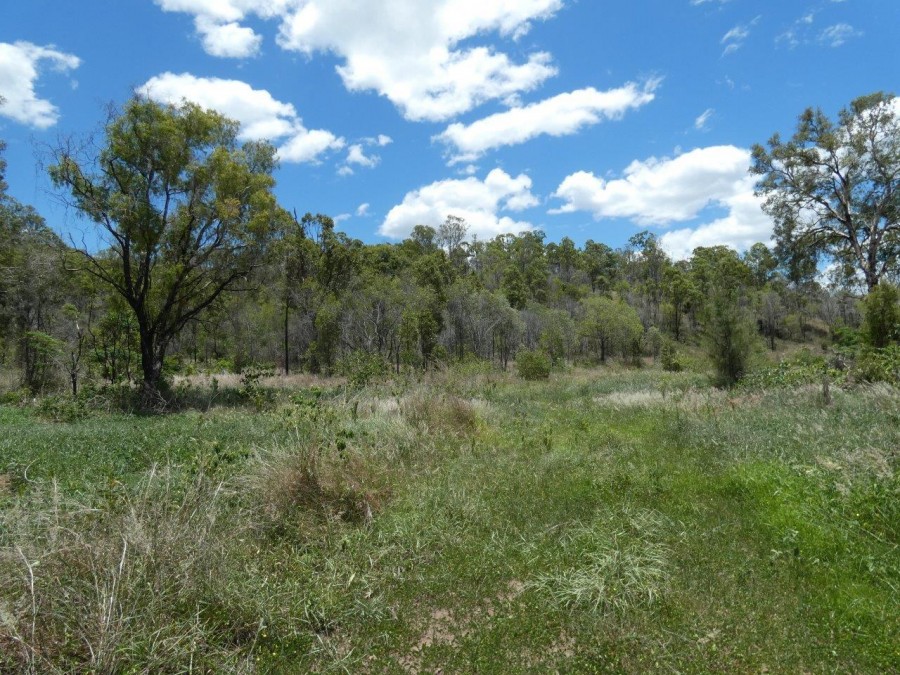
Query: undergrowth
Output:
(600,520)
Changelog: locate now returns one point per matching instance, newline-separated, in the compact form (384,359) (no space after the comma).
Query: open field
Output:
(605,521)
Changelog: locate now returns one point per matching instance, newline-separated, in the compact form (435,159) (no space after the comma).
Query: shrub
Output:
(532,365)
(670,358)
(881,325)
(253,392)
(361,367)
(729,338)
(879,365)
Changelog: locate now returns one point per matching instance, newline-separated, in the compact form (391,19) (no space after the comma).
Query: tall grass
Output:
(603,520)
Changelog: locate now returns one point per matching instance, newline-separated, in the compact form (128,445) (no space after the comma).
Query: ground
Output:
(606,520)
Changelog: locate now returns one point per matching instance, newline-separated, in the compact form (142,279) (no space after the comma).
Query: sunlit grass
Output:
(604,520)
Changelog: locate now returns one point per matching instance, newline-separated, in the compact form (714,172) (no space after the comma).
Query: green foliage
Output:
(669,357)
(361,368)
(799,369)
(532,365)
(881,325)
(879,365)
(855,224)
(610,325)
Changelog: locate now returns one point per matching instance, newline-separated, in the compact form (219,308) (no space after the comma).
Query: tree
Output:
(723,279)
(834,188)
(185,210)
(610,324)
(451,234)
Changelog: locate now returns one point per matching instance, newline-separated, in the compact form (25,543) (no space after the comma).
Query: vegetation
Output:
(236,440)
(833,188)
(601,520)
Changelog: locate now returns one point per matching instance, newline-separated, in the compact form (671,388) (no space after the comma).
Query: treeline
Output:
(202,271)
(320,297)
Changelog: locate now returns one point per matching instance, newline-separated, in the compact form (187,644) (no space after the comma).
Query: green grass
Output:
(601,521)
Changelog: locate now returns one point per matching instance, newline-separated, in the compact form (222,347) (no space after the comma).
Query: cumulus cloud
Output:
(410,51)
(560,115)
(744,225)
(218,22)
(227,40)
(357,156)
(479,202)
(362,209)
(20,67)
(670,190)
(262,117)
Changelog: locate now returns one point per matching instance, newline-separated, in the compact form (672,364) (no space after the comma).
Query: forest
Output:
(236,439)
(205,275)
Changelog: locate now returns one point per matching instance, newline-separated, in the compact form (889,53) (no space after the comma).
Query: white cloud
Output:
(838,34)
(735,38)
(262,117)
(669,190)
(20,68)
(362,210)
(703,119)
(478,202)
(744,225)
(560,115)
(227,40)
(406,50)
(356,155)
(218,22)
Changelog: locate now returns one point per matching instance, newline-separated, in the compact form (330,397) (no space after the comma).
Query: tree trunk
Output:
(152,355)
(287,354)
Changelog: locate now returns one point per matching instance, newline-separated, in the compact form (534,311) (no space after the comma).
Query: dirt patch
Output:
(440,630)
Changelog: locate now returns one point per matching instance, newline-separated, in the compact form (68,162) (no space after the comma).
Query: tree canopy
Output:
(834,187)
(186,212)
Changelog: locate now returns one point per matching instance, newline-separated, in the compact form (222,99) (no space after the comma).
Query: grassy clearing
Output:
(607,520)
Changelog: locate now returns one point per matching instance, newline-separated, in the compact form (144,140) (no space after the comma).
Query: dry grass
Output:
(281,382)
(90,590)
(301,490)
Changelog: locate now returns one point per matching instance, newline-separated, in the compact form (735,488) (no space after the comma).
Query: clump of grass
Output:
(440,413)
(610,571)
(97,590)
(301,488)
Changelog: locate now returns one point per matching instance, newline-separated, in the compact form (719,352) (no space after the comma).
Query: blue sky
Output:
(583,118)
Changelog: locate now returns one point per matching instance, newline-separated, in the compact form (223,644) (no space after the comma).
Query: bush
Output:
(670,358)
(845,336)
(360,367)
(879,365)
(803,368)
(881,325)
(252,390)
(532,365)
(729,336)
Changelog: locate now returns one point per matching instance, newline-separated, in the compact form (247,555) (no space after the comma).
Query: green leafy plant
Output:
(532,365)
